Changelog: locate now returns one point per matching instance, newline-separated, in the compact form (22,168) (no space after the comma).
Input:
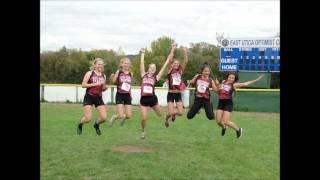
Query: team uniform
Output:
(202,98)
(225,97)
(123,95)
(148,96)
(93,95)
(226,104)
(175,82)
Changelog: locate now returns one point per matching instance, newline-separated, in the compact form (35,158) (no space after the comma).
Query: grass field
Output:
(188,149)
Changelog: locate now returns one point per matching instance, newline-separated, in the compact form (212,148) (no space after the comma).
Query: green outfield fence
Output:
(250,100)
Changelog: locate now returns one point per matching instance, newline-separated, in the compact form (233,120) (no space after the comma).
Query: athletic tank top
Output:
(174,79)
(124,83)
(225,91)
(202,87)
(96,90)
(147,85)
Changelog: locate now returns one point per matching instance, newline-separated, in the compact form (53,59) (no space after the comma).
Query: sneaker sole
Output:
(79,131)
(222,134)
(97,130)
(166,126)
(173,118)
(241,132)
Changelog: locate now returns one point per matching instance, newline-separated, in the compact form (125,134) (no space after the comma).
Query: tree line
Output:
(70,65)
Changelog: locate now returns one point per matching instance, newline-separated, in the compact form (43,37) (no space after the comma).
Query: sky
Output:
(131,25)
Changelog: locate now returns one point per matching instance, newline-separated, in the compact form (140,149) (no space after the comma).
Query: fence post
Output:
(42,93)
(190,97)
(77,98)
(112,91)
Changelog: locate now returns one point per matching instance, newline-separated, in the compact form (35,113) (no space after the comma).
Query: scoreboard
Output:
(255,58)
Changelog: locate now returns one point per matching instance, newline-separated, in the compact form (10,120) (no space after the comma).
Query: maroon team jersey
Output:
(202,87)
(147,85)
(174,79)
(225,91)
(96,90)
(124,83)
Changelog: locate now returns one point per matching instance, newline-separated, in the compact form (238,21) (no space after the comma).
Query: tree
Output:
(200,53)
(70,65)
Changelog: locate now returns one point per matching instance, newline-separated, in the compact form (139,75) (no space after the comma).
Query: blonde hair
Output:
(95,62)
(122,60)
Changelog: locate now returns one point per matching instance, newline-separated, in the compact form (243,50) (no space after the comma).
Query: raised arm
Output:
(162,69)
(192,81)
(142,70)
(216,81)
(185,58)
(170,56)
(244,84)
(113,77)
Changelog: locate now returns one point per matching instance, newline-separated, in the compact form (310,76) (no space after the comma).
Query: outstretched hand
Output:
(260,77)
(174,45)
(112,75)
(183,49)
(216,80)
